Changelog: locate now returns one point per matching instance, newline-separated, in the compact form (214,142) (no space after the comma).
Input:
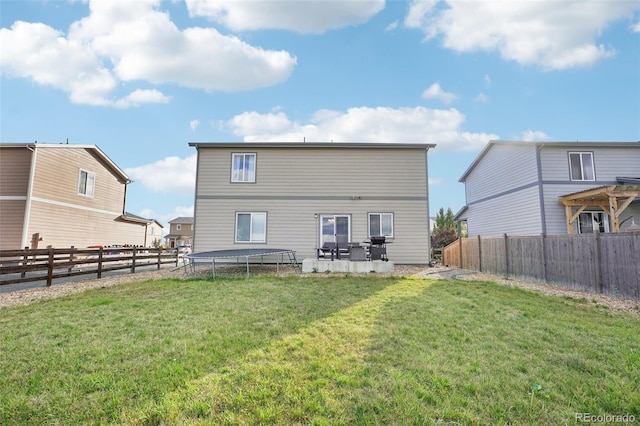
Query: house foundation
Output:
(345,266)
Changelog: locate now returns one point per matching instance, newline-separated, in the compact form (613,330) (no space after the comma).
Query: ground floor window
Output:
(381,225)
(590,222)
(251,227)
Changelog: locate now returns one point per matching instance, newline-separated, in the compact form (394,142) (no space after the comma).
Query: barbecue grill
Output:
(378,249)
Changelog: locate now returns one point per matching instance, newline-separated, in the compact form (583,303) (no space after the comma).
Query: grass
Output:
(315,350)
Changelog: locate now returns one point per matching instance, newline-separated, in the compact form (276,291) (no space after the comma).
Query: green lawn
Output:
(316,350)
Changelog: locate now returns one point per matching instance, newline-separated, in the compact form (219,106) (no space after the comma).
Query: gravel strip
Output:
(627,305)
(26,297)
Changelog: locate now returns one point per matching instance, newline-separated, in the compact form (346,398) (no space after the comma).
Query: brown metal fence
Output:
(600,263)
(20,266)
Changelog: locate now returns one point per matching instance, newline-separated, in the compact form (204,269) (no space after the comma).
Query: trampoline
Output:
(238,254)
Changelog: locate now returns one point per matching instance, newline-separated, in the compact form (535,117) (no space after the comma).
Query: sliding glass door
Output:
(335,228)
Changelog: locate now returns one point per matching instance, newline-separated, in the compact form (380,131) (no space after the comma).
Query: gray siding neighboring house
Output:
(299,195)
(514,187)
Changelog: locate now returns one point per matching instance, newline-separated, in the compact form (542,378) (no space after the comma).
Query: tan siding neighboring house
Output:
(180,232)
(74,196)
(15,164)
(302,188)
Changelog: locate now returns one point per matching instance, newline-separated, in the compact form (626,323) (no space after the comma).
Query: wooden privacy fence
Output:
(19,266)
(600,263)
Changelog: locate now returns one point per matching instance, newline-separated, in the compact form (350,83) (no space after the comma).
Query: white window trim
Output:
(380,214)
(245,179)
(593,166)
(179,227)
(332,239)
(251,240)
(92,187)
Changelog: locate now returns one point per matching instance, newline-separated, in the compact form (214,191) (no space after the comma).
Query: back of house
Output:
(301,195)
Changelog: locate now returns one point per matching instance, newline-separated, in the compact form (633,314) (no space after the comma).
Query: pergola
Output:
(612,199)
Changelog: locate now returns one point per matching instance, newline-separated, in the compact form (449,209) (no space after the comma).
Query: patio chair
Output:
(327,250)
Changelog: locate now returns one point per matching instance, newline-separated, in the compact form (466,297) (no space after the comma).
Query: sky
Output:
(142,78)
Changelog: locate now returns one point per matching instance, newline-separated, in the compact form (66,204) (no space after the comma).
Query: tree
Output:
(444,220)
(445,229)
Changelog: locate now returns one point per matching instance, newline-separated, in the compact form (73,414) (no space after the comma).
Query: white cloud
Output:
(392,26)
(306,17)
(435,92)
(636,28)
(193,124)
(138,97)
(130,42)
(548,33)
(435,181)
(533,135)
(402,125)
(482,98)
(487,80)
(172,174)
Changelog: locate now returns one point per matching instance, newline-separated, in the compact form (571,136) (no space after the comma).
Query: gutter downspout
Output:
(124,199)
(426,169)
(543,217)
(27,207)
(195,204)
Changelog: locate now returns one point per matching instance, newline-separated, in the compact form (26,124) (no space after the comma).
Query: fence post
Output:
(506,254)
(159,256)
(71,259)
(25,260)
(50,268)
(133,260)
(543,261)
(598,262)
(100,253)
(460,241)
(479,254)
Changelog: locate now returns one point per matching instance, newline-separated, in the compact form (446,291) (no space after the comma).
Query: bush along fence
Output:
(600,263)
(20,266)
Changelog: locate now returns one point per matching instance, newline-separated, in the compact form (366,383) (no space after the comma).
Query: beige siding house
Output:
(61,195)
(180,232)
(300,195)
(154,233)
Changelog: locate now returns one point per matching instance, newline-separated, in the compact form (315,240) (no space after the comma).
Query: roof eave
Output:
(341,145)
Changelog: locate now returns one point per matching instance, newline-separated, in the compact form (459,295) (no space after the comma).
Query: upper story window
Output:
(381,225)
(581,166)
(243,167)
(179,227)
(86,183)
